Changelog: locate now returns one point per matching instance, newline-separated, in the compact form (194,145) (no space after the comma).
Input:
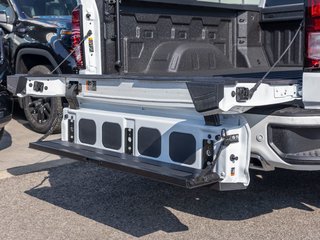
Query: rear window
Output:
(271,3)
(36,8)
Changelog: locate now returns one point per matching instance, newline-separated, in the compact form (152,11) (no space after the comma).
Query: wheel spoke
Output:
(31,104)
(47,107)
(46,113)
(40,117)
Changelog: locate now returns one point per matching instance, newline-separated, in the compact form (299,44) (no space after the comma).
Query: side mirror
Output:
(3,17)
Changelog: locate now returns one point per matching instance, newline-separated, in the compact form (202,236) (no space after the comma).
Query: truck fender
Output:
(39,52)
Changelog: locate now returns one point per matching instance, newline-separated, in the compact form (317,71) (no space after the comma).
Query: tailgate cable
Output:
(89,33)
(258,84)
(60,114)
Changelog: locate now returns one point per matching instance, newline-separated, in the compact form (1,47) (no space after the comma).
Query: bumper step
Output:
(169,173)
(304,158)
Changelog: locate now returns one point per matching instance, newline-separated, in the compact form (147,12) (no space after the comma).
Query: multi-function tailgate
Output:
(206,95)
(167,129)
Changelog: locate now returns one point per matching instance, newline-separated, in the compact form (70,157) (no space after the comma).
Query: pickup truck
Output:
(191,93)
(5,109)
(6,103)
(37,38)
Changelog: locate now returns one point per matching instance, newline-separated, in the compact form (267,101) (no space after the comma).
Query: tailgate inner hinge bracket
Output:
(72,90)
(212,120)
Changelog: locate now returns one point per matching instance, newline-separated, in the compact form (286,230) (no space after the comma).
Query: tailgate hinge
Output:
(72,90)
(208,176)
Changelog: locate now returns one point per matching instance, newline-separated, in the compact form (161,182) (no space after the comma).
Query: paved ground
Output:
(16,154)
(82,201)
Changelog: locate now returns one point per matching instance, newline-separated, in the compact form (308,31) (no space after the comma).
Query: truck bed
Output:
(198,38)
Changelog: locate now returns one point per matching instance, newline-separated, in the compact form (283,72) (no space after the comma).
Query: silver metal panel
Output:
(311,86)
(230,171)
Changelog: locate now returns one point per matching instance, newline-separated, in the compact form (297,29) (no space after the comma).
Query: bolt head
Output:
(260,138)
(209,153)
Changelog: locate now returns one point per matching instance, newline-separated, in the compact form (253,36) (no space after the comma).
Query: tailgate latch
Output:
(38,86)
(242,94)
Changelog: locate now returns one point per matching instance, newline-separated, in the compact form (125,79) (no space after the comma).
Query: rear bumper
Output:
(286,138)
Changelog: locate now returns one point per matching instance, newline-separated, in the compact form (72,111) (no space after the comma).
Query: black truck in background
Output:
(37,38)
(5,99)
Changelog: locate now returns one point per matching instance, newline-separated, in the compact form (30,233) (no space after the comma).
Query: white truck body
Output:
(188,131)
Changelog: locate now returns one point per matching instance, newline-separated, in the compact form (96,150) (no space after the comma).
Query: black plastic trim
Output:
(39,52)
(149,142)
(87,131)
(111,135)
(283,77)
(182,148)
(302,162)
(283,13)
(206,96)
(296,146)
(285,111)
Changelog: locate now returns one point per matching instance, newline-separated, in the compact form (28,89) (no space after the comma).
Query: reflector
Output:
(314,6)
(312,34)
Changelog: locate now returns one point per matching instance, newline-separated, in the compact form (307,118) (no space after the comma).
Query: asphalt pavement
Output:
(15,153)
(83,201)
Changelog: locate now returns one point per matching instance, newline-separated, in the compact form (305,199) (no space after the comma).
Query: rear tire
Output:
(41,113)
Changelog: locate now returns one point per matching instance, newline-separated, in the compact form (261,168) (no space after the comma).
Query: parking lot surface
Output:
(15,156)
(82,201)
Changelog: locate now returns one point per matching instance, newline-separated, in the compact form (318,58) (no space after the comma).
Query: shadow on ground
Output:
(6,141)
(39,167)
(138,206)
